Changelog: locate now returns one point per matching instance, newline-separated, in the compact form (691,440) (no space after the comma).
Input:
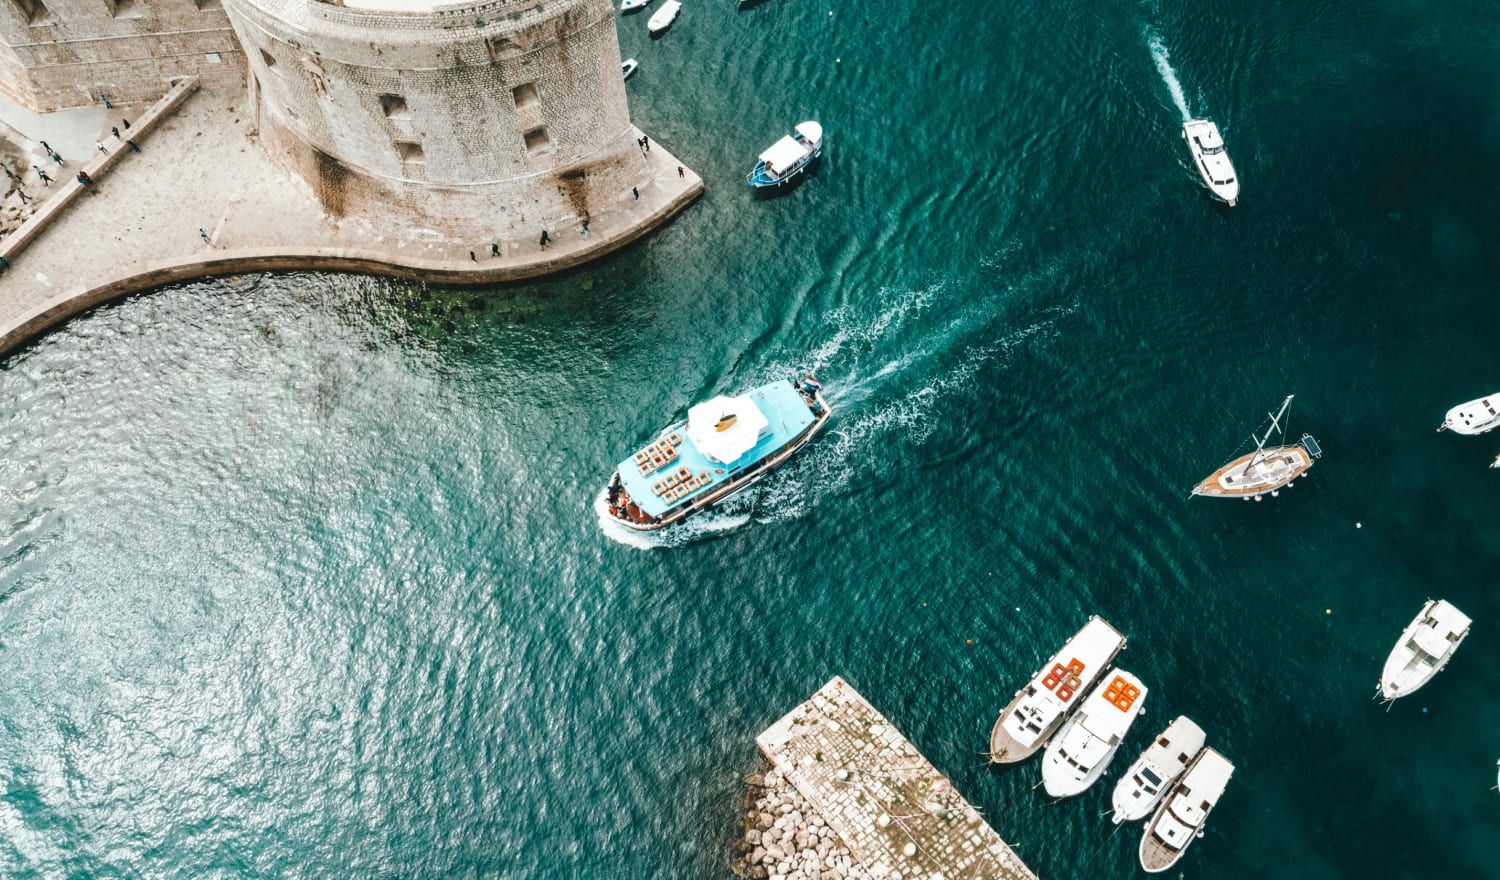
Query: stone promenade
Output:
(138,225)
(893,813)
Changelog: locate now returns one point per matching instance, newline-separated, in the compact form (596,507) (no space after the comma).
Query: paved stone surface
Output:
(899,817)
(202,168)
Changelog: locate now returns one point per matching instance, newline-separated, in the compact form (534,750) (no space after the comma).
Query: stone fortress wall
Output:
(487,119)
(58,54)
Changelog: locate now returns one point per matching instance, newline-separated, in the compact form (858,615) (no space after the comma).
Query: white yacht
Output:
(1474,417)
(1211,159)
(1077,756)
(1039,708)
(663,17)
(1424,648)
(1268,469)
(1180,818)
(633,5)
(1146,782)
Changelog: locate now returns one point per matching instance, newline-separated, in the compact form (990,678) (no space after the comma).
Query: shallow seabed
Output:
(301,576)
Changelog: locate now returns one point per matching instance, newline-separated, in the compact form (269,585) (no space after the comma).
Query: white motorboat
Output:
(786,159)
(663,17)
(1039,708)
(628,67)
(1474,417)
(1077,756)
(1425,647)
(1179,820)
(1211,159)
(1267,469)
(1148,779)
(633,5)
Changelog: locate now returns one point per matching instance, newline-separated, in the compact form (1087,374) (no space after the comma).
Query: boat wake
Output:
(723,518)
(1168,75)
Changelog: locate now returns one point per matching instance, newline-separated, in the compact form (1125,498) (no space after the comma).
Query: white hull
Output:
(662,18)
(1425,647)
(1040,707)
(1212,160)
(1081,751)
(1181,817)
(1474,417)
(1154,773)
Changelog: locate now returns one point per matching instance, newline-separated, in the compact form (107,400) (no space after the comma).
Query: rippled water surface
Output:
(300,576)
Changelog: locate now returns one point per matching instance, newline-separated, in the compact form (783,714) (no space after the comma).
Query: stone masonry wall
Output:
(56,54)
(502,116)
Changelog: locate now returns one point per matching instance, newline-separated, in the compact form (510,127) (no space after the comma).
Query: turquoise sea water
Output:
(300,576)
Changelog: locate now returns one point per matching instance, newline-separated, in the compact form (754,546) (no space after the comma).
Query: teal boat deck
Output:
(785,410)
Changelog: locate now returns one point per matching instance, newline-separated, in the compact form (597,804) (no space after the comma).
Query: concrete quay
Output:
(849,797)
(137,226)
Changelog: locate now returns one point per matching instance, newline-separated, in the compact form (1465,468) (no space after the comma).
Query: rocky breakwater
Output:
(785,840)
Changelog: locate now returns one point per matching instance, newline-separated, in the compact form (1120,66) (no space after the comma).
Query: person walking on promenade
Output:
(57,157)
(46,147)
(85,179)
(680,172)
(115,130)
(132,145)
(646,143)
(6,169)
(101,148)
(546,239)
(494,250)
(46,181)
(585,227)
(203,234)
(126,123)
(635,191)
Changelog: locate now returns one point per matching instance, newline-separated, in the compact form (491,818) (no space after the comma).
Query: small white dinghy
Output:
(663,17)
(1077,756)
(628,67)
(1211,160)
(633,5)
(1474,417)
(1425,647)
(1153,773)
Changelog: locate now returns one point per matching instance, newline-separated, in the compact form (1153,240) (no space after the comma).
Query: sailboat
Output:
(1268,468)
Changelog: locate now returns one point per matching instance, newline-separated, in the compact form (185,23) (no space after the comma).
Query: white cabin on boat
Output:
(1212,159)
(1475,417)
(1153,773)
(1425,647)
(1181,817)
(1077,756)
(1039,708)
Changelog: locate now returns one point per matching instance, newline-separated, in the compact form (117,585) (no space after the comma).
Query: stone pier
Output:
(839,766)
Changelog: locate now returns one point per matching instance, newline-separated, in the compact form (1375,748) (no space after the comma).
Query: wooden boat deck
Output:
(1295,456)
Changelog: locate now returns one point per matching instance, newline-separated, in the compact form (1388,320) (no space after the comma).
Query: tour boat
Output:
(786,159)
(1211,160)
(1039,708)
(1077,756)
(1474,417)
(1267,469)
(1146,782)
(628,67)
(725,444)
(633,5)
(1424,649)
(1180,818)
(663,17)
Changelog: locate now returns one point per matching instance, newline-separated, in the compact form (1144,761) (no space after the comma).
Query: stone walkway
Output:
(138,227)
(897,815)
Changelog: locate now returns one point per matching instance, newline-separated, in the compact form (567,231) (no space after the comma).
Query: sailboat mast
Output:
(1275,423)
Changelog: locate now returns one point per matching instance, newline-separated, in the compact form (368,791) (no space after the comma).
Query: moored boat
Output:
(1265,470)
(663,17)
(1148,779)
(726,444)
(1474,417)
(1211,159)
(628,67)
(1039,708)
(633,5)
(1077,756)
(785,160)
(1425,647)
(1180,818)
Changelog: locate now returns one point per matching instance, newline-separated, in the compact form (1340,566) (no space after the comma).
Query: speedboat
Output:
(786,159)
(1039,708)
(1146,782)
(628,67)
(663,17)
(1268,469)
(1424,649)
(1077,756)
(1179,820)
(1474,417)
(633,5)
(725,444)
(1211,159)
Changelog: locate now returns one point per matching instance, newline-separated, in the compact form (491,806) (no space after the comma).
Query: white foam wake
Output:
(720,519)
(1168,75)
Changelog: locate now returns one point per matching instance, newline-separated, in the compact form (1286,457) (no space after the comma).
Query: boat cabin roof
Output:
(786,415)
(810,130)
(1114,704)
(1177,744)
(783,154)
(1205,133)
(1201,787)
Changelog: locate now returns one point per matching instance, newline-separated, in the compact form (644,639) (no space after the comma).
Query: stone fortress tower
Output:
(491,118)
